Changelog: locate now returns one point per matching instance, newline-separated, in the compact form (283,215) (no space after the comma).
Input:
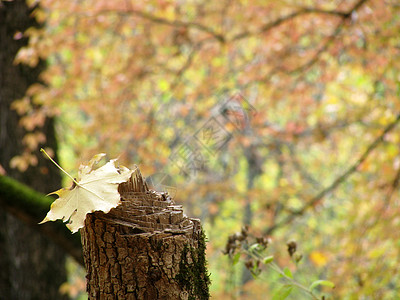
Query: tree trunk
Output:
(254,169)
(31,267)
(146,248)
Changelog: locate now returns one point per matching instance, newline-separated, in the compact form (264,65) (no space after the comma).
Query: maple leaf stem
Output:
(58,166)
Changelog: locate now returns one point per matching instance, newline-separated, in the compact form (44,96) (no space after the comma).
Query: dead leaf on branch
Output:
(94,190)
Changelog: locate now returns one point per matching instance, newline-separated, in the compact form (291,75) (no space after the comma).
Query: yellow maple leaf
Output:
(95,190)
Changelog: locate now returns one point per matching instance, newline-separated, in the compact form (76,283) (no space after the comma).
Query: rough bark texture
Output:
(146,248)
(31,267)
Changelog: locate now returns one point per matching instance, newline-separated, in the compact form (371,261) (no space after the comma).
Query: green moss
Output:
(16,195)
(194,277)
(31,207)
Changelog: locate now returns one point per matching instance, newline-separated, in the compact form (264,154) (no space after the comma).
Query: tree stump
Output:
(146,248)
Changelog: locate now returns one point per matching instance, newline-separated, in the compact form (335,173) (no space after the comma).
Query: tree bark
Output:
(146,248)
(31,267)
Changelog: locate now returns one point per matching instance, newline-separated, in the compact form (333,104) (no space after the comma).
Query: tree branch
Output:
(337,182)
(129,10)
(196,48)
(322,49)
(303,11)
(159,20)
(30,207)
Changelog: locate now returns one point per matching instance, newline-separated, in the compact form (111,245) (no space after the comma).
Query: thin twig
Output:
(159,20)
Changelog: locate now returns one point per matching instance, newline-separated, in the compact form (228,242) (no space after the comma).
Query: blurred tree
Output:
(31,266)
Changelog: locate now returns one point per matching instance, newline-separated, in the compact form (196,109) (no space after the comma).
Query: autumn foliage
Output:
(307,150)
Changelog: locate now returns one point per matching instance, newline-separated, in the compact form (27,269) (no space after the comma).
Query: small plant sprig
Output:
(240,243)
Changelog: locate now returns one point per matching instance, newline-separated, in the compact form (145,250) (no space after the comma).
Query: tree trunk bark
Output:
(31,267)
(146,248)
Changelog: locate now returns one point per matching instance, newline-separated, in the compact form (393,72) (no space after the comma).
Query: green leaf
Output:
(287,272)
(321,282)
(283,292)
(268,259)
(255,273)
(254,247)
(235,258)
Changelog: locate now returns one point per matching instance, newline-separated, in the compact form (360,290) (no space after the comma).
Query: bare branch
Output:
(392,189)
(303,11)
(321,50)
(337,182)
(130,11)
(268,26)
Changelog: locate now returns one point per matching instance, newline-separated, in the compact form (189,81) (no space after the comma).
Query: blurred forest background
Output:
(279,115)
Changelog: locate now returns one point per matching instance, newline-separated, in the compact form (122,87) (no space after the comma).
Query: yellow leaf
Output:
(318,258)
(96,190)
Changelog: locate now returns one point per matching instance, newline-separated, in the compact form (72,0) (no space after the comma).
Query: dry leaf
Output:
(96,190)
